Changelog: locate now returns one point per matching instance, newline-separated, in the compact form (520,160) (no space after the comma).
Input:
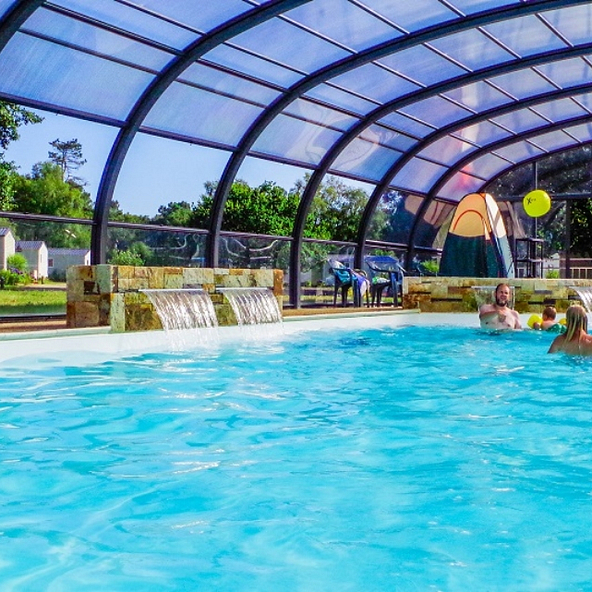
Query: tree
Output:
(68,156)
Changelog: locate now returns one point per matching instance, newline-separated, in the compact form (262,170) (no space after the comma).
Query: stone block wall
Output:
(108,295)
(456,294)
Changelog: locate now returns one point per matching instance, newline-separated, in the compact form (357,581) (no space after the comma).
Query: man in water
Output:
(499,316)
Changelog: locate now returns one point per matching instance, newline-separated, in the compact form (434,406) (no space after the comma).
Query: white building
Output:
(7,245)
(35,252)
(61,259)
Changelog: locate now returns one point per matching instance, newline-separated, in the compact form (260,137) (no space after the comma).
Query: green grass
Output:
(19,301)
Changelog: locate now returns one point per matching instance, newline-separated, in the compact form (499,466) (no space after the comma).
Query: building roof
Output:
(29,245)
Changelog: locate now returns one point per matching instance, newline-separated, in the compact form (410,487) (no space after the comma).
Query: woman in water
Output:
(575,340)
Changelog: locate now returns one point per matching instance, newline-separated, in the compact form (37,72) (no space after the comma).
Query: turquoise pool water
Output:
(411,458)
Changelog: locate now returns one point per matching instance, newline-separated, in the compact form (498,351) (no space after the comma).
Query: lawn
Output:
(37,300)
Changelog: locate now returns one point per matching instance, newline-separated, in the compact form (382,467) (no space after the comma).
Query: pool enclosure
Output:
(416,103)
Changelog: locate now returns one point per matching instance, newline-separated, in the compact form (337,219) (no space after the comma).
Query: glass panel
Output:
(240,61)
(394,216)
(202,16)
(189,112)
(316,113)
(132,20)
(5,5)
(582,132)
(366,160)
(526,35)
(224,82)
(447,150)
(567,73)
(436,111)
(412,16)
(343,22)
(96,40)
(432,227)
(489,165)
(158,248)
(295,140)
(523,84)
(341,99)
(41,71)
(518,121)
(252,252)
(418,175)
(388,137)
(459,185)
(478,96)
(519,151)
(473,49)
(559,110)
(470,6)
(406,124)
(553,140)
(374,83)
(278,40)
(574,22)
(422,64)
(482,133)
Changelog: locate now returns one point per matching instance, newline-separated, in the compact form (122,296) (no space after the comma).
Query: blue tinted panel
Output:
(316,113)
(340,98)
(567,73)
(436,111)
(553,140)
(295,140)
(447,150)
(252,66)
(470,6)
(572,22)
(585,99)
(520,120)
(482,133)
(343,22)
(201,115)
(437,214)
(412,16)
(487,166)
(34,69)
(366,160)
(202,16)
(388,137)
(526,35)
(134,21)
(523,84)
(96,40)
(406,124)
(459,186)
(559,110)
(375,83)
(422,64)
(519,151)
(289,45)
(473,49)
(582,132)
(223,82)
(5,5)
(418,175)
(478,96)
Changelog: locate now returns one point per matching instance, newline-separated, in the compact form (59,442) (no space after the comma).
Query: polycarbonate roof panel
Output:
(460,184)
(186,111)
(412,16)
(436,111)
(487,166)
(560,109)
(519,151)
(133,20)
(447,150)
(69,78)
(582,132)
(573,22)
(523,83)
(420,174)
(335,19)
(478,96)
(482,133)
(408,125)
(518,121)
(321,115)
(566,73)
(471,6)
(5,5)
(367,160)
(341,99)
(83,35)
(388,137)
(553,140)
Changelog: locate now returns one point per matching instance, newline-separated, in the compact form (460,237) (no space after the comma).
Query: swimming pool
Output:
(381,458)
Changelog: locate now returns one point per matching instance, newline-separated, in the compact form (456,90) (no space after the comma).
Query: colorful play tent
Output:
(477,243)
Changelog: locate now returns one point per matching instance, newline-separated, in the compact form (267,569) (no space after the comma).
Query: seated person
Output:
(499,316)
(548,323)
(575,341)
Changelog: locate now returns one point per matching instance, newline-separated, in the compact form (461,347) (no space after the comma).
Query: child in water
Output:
(548,322)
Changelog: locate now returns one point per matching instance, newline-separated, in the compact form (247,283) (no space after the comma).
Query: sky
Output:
(155,171)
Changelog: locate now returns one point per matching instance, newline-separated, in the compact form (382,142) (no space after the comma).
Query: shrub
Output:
(17,262)
(126,258)
(552,274)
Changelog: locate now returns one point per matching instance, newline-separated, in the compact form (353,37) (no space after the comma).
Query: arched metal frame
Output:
(21,10)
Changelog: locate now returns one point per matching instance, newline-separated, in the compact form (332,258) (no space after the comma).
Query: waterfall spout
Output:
(188,308)
(253,306)
(585,295)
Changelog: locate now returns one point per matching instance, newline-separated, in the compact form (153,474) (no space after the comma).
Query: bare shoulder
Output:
(556,344)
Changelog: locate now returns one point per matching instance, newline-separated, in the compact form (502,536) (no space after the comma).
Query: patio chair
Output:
(384,265)
(346,278)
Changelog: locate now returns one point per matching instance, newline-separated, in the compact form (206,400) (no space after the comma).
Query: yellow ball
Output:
(534,319)
(563,321)
(536,203)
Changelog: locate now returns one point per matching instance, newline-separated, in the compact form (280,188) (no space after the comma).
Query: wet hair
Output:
(502,284)
(550,312)
(577,320)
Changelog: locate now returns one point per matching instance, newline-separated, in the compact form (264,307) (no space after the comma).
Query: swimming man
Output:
(499,316)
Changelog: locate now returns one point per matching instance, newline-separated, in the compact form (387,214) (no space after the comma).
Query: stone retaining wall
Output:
(454,294)
(108,295)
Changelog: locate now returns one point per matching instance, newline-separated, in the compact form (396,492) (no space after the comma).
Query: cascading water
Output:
(179,309)
(253,306)
(585,294)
